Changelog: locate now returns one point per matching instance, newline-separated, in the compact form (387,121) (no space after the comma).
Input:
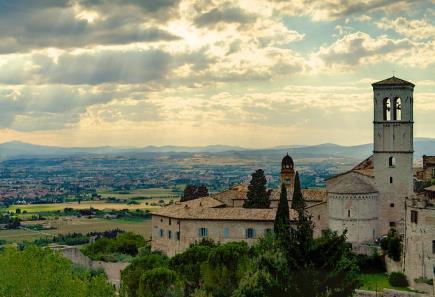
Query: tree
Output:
(225,266)
(193,192)
(188,264)
(201,191)
(132,274)
(41,272)
(298,202)
(392,245)
(257,196)
(189,193)
(282,219)
(160,282)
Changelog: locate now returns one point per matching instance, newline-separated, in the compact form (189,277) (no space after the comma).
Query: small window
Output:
(169,234)
(392,161)
(170,222)
(226,232)
(161,233)
(348,213)
(203,232)
(391,204)
(391,179)
(178,235)
(318,217)
(387,109)
(250,233)
(392,224)
(178,222)
(414,216)
(161,220)
(397,116)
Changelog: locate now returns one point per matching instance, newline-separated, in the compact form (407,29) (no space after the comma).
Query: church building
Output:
(369,199)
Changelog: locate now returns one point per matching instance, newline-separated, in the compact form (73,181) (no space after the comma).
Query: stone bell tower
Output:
(393,150)
(287,173)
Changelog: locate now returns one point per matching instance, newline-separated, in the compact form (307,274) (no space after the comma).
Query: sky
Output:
(251,73)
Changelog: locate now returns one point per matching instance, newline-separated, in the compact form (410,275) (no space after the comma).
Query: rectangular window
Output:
(433,246)
(226,232)
(391,179)
(161,233)
(391,204)
(203,232)
(348,213)
(169,234)
(178,235)
(414,216)
(249,233)
(392,224)
(170,222)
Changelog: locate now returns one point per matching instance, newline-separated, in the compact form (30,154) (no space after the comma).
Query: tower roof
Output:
(393,81)
(287,160)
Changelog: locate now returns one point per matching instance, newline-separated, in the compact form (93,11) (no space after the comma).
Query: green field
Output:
(65,225)
(377,282)
(142,193)
(101,205)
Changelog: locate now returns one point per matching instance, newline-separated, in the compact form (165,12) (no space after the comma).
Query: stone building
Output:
(369,200)
(221,217)
(419,253)
(427,172)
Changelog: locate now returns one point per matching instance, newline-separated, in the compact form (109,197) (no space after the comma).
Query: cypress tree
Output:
(257,196)
(282,219)
(303,231)
(298,202)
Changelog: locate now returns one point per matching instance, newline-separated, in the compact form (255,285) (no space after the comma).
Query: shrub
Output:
(398,279)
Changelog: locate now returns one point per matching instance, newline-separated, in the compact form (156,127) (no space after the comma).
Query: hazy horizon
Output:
(79,73)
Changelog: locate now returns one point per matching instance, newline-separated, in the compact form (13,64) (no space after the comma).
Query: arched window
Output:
(392,161)
(397,114)
(387,109)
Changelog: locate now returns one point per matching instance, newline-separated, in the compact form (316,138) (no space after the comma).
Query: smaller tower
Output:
(287,173)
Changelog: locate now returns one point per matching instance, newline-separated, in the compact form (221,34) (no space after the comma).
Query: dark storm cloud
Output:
(26,25)
(106,66)
(223,15)
(147,5)
(47,107)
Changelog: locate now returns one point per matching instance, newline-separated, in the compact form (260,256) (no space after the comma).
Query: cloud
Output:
(414,29)
(320,10)
(360,48)
(65,25)
(219,15)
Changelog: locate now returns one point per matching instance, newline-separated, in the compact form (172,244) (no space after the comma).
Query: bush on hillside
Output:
(398,279)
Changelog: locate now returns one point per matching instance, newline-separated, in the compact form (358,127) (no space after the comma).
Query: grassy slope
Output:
(377,281)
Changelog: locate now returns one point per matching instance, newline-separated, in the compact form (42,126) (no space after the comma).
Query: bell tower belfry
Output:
(287,173)
(393,150)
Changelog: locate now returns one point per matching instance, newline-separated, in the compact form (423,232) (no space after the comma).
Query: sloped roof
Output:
(351,183)
(208,209)
(393,81)
(364,168)
(430,189)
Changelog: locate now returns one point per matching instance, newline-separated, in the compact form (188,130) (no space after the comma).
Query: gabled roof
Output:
(208,208)
(351,183)
(393,81)
(364,168)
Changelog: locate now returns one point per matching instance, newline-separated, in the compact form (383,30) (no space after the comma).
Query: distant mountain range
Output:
(17,149)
